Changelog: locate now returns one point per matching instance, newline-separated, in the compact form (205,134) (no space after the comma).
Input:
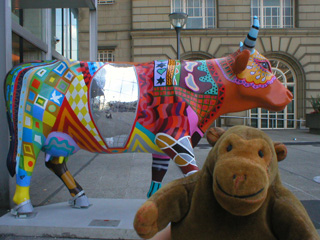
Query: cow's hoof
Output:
(23,210)
(80,201)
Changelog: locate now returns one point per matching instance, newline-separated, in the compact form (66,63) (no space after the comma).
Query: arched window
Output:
(201,13)
(273,13)
(196,55)
(262,118)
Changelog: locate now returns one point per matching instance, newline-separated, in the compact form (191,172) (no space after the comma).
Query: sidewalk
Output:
(117,185)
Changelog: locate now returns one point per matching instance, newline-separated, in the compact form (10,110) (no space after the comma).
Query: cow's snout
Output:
(278,97)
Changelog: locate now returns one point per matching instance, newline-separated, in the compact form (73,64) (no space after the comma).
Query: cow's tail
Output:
(11,163)
(12,153)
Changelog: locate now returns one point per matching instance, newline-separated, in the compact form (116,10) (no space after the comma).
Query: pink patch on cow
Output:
(193,120)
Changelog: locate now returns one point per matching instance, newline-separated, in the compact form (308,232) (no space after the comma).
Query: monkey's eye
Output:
(260,153)
(229,148)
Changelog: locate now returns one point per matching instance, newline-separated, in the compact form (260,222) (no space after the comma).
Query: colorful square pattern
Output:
(46,90)
(42,72)
(31,96)
(69,76)
(56,97)
(62,86)
(35,84)
(61,68)
(38,112)
(52,79)
(41,101)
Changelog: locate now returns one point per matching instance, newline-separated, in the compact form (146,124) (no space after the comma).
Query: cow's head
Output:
(253,80)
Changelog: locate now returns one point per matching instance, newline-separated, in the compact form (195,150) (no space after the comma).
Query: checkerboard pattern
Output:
(77,97)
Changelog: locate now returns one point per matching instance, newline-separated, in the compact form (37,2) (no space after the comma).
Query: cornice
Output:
(290,32)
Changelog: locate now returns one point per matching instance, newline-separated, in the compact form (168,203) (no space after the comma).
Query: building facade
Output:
(139,31)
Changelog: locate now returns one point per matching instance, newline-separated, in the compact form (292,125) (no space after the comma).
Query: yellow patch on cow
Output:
(49,119)
(21,195)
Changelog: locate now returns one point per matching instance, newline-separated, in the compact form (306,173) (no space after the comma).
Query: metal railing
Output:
(247,120)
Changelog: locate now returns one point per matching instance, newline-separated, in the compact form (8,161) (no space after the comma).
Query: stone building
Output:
(139,31)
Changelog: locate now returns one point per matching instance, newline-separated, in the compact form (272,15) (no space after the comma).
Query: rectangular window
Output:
(66,32)
(32,20)
(273,13)
(201,13)
(105,56)
(24,51)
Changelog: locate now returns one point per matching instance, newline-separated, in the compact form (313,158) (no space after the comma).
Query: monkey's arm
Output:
(169,204)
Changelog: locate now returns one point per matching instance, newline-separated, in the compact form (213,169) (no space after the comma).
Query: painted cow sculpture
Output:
(60,107)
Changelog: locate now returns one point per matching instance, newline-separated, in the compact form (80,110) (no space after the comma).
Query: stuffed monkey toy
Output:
(238,194)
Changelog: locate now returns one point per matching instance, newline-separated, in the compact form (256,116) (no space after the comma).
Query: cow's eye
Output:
(265,65)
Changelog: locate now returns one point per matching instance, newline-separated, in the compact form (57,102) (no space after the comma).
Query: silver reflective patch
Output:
(114,96)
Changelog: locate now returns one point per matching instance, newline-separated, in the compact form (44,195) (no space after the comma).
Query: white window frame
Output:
(261,15)
(106,52)
(106,2)
(203,10)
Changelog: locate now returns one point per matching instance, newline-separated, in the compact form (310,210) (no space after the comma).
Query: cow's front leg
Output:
(180,151)
(59,167)
(160,165)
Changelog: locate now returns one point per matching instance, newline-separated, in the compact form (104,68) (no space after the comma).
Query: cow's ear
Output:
(241,61)
(213,134)
(281,151)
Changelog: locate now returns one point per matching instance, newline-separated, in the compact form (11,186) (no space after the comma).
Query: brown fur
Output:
(237,195)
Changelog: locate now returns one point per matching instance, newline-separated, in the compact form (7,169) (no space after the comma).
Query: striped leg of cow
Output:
(160,165)
(180,151)
(59,167)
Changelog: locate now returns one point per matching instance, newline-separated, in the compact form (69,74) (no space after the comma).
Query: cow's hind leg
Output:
(27,154)
(59,167)
(159,168)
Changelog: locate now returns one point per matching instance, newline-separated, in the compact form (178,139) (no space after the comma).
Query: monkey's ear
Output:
(213,134)
(281,151)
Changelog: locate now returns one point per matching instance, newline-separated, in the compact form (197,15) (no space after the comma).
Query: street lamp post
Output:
(178,20)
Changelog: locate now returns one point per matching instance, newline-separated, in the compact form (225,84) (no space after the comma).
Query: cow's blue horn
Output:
(241,46)
(250,41)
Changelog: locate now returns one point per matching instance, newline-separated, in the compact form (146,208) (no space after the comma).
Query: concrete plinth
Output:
(105,219)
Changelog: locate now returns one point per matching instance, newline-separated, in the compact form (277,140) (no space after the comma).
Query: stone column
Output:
(93,33)
(5,66)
